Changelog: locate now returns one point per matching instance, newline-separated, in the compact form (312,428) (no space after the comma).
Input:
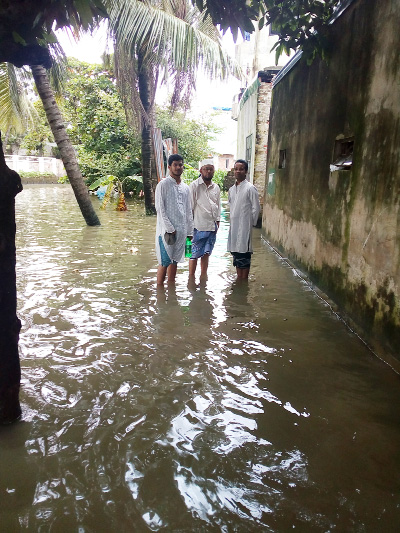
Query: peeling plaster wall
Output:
(253,119)
(343,227)
(261,137)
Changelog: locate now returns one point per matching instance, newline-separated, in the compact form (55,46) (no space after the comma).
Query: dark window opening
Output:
(226,163)
(282,159)
(343,154)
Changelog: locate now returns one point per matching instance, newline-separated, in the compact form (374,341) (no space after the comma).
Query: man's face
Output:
(176,168)
(207,172)
(240,171)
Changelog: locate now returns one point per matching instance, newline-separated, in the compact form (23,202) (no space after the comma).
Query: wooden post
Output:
(10,325)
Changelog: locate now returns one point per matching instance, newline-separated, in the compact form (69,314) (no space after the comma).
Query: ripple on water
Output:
(207,406)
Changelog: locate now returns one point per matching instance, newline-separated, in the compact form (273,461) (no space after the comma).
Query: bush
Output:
(132,184)
(219,177)
(38,175)
(94,166)
(190,174)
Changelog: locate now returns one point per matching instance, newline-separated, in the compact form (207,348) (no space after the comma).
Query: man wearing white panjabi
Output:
(244,210)
(174,220)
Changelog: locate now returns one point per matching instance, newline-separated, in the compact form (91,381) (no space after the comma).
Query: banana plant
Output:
(112,183)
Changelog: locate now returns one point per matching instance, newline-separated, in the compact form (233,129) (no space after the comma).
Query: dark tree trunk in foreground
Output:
(67,151)
(146,93)
(10,325)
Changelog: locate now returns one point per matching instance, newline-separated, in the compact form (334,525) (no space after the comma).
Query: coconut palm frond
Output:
(183,87)
(127,81)
(161,39)
(137,23)
(58,71)
(16,109)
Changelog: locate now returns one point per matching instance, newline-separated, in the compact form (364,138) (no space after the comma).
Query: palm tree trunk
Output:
(10,325)
(64,144)
(145,93)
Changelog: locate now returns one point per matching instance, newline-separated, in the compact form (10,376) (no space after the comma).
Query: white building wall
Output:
(42,165)
(246,126)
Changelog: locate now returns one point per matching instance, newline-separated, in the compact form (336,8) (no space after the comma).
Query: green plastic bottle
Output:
(188,247)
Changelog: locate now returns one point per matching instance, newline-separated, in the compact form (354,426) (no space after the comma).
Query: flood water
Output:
(214,407)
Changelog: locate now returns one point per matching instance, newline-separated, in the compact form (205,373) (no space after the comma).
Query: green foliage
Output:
(38,134)
(300,23)
(219,177)
(129,184)
(94,165)
(23,29)
(37,175)
(98,124)
(194,135)
(190,174)
(233,14)
(98,129)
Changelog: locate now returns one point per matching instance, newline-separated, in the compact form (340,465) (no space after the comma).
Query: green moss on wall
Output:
(356,95)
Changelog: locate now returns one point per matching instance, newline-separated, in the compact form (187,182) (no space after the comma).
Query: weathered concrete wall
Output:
(343,227)
(253,119)
(261,138)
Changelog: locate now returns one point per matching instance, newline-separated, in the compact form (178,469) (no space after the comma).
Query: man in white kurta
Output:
(174,220)
(206,205)
(244,210)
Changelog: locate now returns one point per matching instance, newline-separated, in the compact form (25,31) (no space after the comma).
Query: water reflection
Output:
(212,406)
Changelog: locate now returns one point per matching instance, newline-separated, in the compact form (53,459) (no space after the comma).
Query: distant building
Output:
(251,106)
(220,161)
(225,161)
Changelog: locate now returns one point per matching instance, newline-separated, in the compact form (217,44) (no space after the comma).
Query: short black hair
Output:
(245,163)
(174,157)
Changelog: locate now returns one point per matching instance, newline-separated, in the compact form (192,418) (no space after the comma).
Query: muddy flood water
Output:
(215,407)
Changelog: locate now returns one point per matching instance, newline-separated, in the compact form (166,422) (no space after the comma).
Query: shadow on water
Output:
(209,406)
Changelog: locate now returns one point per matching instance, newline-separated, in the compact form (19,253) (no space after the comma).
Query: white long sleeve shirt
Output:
(244,210)
(206,204)
(174,213)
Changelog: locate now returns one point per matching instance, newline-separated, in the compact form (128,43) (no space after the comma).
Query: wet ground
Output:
(213,407)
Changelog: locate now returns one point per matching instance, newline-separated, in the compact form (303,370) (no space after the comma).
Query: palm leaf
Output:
(173,49)
(16,109)
(182,43)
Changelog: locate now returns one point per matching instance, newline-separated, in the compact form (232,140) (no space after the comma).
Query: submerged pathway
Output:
(219,407)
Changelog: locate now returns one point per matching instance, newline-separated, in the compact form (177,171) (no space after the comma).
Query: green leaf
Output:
(96,184)
(18,39)
(50,38)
